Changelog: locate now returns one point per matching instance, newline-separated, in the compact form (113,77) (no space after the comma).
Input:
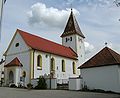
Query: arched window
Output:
(39,61)
(74,68)
(52,64)
(66,39)
(63,65)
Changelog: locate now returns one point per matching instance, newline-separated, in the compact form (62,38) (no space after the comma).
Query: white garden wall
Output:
(105,78)
(75,84)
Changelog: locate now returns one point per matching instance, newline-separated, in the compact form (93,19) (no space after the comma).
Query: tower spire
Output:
(72,26)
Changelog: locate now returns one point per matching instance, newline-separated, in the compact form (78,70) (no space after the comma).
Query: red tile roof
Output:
(14,62)
(45,45)
(103,58)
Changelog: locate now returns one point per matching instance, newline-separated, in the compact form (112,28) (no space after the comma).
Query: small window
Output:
(70,38)
(66,40)
(57,67)
(17,44)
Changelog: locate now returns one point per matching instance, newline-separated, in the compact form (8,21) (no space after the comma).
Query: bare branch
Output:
(117,2)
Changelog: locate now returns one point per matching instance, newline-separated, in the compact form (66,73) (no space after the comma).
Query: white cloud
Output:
(44,16)
(92,3)
(69,2)
(88,47)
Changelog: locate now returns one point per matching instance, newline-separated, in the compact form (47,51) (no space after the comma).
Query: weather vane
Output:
(106,44)
(71,6)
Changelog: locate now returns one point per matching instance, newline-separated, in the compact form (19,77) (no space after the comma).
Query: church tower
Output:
(74,38)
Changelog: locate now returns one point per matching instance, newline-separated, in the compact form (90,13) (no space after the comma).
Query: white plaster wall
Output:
(105,78)
(77,44)
(119,73)
(1,70)
(45,64)
(75,84)
(7,71)
(25,60)
(80,50)
(22,53)
(22,45)
(61,76)
(5,76)
(69,43)
(51,83)
(17,73)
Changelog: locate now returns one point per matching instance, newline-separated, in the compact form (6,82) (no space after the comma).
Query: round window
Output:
(17,44)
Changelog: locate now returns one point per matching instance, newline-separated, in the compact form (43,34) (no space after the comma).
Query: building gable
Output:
(14,62)
(17,45)
(103,58)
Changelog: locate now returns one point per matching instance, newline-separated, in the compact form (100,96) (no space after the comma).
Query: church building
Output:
(29,56)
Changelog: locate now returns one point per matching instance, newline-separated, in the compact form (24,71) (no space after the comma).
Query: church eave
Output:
(74,58)
(64,35)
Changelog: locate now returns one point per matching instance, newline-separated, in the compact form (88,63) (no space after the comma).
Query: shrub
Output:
(41,83)
(29,86)
(12,86)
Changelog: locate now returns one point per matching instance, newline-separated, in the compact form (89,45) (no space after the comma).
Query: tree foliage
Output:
(41,83)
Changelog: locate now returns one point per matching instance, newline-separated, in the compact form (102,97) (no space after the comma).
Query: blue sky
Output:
(98,20)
